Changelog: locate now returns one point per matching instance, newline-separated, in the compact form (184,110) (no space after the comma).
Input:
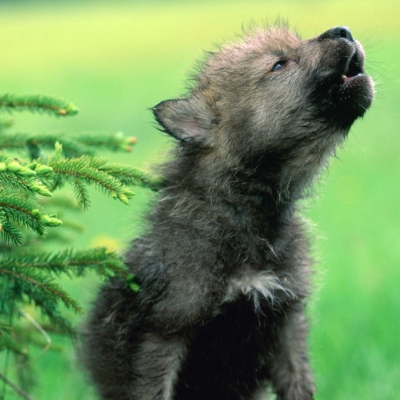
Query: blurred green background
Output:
(116,59)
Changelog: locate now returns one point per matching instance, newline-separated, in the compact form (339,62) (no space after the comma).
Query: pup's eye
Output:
(278,65)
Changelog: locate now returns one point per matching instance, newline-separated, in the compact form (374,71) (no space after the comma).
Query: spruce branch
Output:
(15,183)
(73,146)
(23,212)
(10,234)
(81,193)
(35,143)
(4,332)
(71,263)
(16,388)
(23,176)
(15,347)
(13,140)
(6,123)
(28,273)
(3,218)
(26,276)
(28,286)
(129,175)
(82,171)
(126,174)
(38,287)
(116,142)
(40,329)
(19,211)
(36,103)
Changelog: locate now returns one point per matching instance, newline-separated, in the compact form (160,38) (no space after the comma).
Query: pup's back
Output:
(224,269)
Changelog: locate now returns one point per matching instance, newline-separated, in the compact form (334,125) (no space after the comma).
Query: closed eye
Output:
(279,65)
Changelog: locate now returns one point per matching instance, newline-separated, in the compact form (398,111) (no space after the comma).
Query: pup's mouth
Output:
(353,69)
(345,91)
(351,90)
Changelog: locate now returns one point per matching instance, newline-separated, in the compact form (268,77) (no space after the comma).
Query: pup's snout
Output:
(338,32)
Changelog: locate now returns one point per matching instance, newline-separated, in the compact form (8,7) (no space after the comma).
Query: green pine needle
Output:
(116,142)
(37,103)
(37,286)
(73,146)
(68,262)
(13,346)
(10,234)
(27,275)
(35,144)
(129,175)
(6,123)
(19,211)
(84,171)
(22,176)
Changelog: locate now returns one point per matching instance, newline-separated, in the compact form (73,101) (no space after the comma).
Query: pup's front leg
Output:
(156,364)
(291,372)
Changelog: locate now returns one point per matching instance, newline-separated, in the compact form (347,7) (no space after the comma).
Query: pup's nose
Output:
(338,32)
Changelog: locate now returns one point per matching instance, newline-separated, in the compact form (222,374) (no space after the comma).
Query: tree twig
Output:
(21,392)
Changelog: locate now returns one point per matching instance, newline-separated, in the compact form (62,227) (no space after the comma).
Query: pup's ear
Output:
(185,119)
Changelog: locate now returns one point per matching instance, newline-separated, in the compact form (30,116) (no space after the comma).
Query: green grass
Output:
(115,60)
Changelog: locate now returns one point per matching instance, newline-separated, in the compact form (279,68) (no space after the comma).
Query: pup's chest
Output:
(262,288)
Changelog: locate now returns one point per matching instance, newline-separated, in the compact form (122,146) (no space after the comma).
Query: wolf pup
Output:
(224,269)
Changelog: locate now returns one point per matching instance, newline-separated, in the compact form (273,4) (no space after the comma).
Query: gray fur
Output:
(224,268)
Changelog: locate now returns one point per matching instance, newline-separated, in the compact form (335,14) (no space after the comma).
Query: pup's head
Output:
(273,103)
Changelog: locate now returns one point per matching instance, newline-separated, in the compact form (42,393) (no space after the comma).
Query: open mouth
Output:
(348,91)
(353,69)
